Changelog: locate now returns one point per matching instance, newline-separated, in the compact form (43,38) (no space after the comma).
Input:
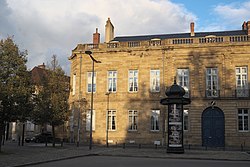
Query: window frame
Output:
(134,88)
(89,82)
(210,83)
(155,115)
(242,115)
(155,77)
(88,117)
(112,81)
(111,116)
(181,79)
(241,89)
(133,126)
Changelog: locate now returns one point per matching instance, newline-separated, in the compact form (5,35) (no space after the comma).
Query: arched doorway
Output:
(213,127)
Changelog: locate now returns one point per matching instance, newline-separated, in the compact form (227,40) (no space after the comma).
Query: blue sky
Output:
(47,27)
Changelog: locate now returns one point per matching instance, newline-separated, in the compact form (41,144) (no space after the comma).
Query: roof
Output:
(38,75)
(179,35)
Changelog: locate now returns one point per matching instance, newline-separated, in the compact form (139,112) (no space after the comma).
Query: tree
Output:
(51,102)
(15,90)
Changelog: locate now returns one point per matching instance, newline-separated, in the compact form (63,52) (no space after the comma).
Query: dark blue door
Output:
(213,127)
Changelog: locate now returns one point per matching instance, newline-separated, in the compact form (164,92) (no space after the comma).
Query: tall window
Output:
(212,82)
(243,120)
(111,120)
(88,117)
(185,119)
(74,85)
(155,80)
(155,115)
(133,120)
(241,82)
(112,81)
(133,80)
(89,82)
(183,80)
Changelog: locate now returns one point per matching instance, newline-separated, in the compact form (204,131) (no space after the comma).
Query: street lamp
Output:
(88,52)
(107,119)
(80,96)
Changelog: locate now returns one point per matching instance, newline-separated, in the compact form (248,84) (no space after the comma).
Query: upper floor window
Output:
(74,85)
(133,80)
(243,120)
(133,120)
(89,82)
(134,44)
(183,80)
(241,82)
(112,81)
(212,89)
(111,120)
(155,80)
(155,42)
(155,115)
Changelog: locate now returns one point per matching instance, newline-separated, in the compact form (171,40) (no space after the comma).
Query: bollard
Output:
(189,146)
(241,147)
(61,143)
(155,146)
(139,146)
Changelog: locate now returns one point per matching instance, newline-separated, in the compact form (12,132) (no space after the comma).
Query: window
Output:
(133,80)
(185,120)
(88,117)
(212,82)
(155,80)
(74,85)
(243,121)
(155,115)
(155,42)
(134,44)
(183,80)
(89,82)
(112,81)
(133,120)
(241,82)
(111,120)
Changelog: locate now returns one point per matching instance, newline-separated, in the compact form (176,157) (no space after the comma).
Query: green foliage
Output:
(15,89)
(51,105)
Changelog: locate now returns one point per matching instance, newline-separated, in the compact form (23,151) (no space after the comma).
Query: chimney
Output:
(109,31)
(192,29)
(96,37)
(41,66)
(248,28)
(244,26)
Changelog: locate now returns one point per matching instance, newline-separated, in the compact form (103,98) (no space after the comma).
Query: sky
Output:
(55,27)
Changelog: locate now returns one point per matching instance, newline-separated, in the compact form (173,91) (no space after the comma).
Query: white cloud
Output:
(233,14)
(46,27)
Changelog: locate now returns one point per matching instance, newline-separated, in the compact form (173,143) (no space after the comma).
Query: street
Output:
(98,161)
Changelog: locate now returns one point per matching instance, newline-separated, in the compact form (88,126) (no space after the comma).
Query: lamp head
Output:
(88,52)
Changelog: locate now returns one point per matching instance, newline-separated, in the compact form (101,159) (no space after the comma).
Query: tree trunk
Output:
(53,134)
(23,130)
(7,131)
(1,134)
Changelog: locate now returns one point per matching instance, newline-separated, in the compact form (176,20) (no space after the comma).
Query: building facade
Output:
(134,73)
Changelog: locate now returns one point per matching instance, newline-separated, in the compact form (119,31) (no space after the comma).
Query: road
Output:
(111,161)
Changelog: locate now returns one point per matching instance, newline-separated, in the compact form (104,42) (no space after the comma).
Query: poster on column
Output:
(175,126)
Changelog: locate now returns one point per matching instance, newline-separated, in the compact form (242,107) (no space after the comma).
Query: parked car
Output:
(41,138)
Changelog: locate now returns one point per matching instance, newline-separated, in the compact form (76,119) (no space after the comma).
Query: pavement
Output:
(13,155)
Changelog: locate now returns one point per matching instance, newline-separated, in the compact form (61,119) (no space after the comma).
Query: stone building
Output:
(136,70)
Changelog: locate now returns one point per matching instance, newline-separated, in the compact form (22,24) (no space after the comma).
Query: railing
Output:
(113,45)
(211,40)
(241,93)
(183,41)
(239,38)
(214,93)
(92,46)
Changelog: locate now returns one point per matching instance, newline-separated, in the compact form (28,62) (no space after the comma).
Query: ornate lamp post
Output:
(175,102)
(92,91)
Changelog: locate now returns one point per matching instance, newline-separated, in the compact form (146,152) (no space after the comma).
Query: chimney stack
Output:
(244,26)
(96,37)
(248,28)
(192,29)
(109,31)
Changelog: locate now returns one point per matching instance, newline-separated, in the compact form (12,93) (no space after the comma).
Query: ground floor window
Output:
(111,120)
(133,120)
(243,120)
